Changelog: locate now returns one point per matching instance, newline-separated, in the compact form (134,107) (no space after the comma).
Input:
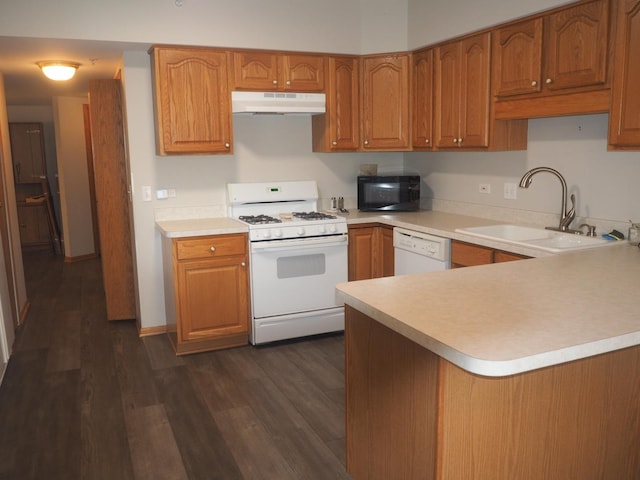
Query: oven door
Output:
(295,276)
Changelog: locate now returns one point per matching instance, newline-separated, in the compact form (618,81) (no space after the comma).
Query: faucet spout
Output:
(566,216)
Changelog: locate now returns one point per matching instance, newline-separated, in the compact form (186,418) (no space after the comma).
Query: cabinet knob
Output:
(275,82)
(243,264)
(460,140)
(426,140)
(548,81)
(334,143)
(288,82)
(534,83)
(212,249)
(455,140)
(366,142)
(227,145)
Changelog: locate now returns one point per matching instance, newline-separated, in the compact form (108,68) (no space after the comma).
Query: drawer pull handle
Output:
(212,249)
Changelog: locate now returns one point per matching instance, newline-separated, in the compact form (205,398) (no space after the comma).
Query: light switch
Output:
(146,193)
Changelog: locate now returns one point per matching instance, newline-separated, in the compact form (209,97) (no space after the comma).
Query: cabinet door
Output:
(576,46)
(474,92)
(192,101)
(517,58)
(212,298)
(385,102)
(255,70)
(361,253)
(338,129)
(624,124)
(34,226)
(27,152)
(422,99)
(303,73)
(386,267)
(447,95)
(469,255)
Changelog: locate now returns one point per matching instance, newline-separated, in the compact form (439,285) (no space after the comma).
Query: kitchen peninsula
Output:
(521,370)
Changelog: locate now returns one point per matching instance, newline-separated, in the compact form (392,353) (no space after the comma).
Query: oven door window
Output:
(297,279)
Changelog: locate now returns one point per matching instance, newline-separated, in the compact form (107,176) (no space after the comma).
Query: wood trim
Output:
(597,101)
(80,258)
(149,331)
(92,181)
(23,312)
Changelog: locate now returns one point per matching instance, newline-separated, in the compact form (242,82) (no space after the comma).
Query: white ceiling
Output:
(26,85)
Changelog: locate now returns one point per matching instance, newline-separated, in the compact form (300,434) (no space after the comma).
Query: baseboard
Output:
(148,331)
(23,312)
(79,258)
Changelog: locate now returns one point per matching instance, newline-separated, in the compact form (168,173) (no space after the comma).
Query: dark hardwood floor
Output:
(84,398)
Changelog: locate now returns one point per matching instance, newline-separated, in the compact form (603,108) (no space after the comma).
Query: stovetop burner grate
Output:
(259,219)
(313,216)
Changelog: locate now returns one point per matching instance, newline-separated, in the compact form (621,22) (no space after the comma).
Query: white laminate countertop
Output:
(196,227)
(509,318)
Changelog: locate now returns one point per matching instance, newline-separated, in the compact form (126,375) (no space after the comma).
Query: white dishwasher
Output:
(417,252)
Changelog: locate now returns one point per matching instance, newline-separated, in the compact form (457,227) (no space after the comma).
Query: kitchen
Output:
(281,146)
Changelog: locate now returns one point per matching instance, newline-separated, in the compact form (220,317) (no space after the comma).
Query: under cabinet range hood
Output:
(283,103)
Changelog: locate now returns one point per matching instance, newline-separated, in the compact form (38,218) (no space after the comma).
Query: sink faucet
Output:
(566,216)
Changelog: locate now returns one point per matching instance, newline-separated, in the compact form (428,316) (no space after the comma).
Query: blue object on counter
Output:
(614,235)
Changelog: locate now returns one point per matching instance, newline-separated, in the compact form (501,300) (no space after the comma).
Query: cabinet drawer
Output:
(207,247)
(469,255)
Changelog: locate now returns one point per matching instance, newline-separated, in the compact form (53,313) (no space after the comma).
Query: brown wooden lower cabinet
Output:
(207,292)
(412,414)
(468,255)
(370,251)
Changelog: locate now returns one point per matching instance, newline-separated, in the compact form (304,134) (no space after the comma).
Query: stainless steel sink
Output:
(540,238)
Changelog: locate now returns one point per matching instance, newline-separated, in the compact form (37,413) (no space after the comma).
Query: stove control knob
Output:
(323,229)
(266,233)
(300,231)
(277,233)
(333,228)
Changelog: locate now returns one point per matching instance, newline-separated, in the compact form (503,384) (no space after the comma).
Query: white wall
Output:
(605,183)
(16,268)
(266,148)
(430,22)
(73,176)
(280,148)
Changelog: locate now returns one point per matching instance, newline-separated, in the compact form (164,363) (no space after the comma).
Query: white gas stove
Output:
(298,255)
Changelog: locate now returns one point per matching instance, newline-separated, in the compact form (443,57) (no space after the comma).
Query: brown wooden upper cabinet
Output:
(624,121)
(422,113)
(574,42)
(339,128)
(27,152)
(192,100)
(267,71)
(461,99)
(562,53)
(385,102)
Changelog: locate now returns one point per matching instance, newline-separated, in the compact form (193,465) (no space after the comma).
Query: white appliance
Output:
(297,256)
(417,252)
(278,102)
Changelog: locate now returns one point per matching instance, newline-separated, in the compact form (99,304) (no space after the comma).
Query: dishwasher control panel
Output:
(421,243)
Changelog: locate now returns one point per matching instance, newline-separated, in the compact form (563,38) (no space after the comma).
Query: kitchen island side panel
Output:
(391,402)
(413,415)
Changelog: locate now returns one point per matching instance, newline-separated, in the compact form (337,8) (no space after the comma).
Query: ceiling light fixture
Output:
(57,70)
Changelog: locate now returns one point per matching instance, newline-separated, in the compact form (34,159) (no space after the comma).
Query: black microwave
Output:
(400,193)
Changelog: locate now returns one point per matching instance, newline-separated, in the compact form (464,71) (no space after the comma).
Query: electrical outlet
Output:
(510,191)
(484,188)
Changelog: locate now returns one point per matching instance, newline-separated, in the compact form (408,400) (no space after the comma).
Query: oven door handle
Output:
(274,245)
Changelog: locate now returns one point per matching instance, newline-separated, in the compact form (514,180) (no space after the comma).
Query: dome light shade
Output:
(58,70)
